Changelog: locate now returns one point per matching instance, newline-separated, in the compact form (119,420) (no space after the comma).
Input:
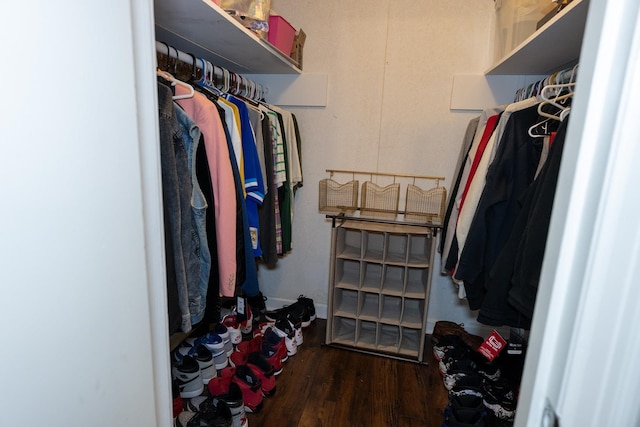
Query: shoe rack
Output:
(380,277)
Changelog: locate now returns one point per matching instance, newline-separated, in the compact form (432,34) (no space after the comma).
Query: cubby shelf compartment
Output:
(373,243)
(393,280)
(344,330)
(372,273)
(378,303)
(350,244)
(413,311)
(346,303)
(369,306)
(347,274)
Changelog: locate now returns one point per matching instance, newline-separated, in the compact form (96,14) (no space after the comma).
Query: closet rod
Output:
(398,175)
(567,75)
(181,56)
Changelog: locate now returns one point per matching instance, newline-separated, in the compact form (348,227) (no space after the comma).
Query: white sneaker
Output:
(284,328)
(187,375)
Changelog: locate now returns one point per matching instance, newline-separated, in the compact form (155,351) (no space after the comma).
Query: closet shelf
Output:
(554,46)
(202,28)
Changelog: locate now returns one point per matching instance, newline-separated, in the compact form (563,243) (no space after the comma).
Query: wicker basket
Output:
(380,202)
(425,205)
(334,197)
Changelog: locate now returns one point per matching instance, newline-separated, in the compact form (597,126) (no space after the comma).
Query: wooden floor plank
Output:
(323,386)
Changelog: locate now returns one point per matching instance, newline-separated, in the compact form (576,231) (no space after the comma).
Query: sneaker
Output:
(284,329)
(454,365)
(264,371)
(500,400)
(216,415)
(468,401)
(308,302)
(178,404)
(250,346)
(245,321)
(489,371)
(220,384)
(222,330)
(467,384)
(463,417)
(272,340)
(187,374)
(231,322)
(250,385)
(297,326)
(216,345)
(464,380)
(232,396)
(273,357)
(201,354)
(451,354)
(448,344)
(205,360)
(257,303)
(296,312)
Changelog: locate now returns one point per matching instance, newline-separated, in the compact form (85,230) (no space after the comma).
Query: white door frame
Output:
(581,364)
(146,88)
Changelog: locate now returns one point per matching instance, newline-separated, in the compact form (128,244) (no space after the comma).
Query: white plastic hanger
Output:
(175,82)
(556,90)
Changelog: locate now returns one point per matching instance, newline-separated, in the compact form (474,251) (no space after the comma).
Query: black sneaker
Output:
(257,303)
(500,400)
(472,380)
(296,313)
(469,401)
(232,398)
(456,362)
(463,417)
(310,307)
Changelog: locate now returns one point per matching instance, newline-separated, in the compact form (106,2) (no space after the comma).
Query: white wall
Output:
(75,312)
(390,67)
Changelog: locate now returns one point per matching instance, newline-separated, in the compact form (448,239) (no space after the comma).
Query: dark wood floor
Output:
(331,387)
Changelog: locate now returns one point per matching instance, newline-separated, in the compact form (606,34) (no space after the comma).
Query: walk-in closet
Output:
(413,213)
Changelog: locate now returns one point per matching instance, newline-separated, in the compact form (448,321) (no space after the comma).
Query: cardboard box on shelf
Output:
(298,45)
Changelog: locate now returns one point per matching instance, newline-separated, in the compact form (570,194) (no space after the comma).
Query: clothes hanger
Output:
(205,84)
(168,56)
(556,90)
(175,82)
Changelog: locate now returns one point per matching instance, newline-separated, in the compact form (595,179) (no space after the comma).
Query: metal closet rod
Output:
(219,72)
(398,175)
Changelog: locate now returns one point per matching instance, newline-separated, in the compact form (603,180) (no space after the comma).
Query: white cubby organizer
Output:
(379,287)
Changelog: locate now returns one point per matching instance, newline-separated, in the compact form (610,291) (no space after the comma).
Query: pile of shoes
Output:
(221,375)
(480,395)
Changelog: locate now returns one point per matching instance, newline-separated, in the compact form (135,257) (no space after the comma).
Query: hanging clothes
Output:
(447,234)
(206,115)
(176,189)
(229,172)
(507,179)
(500,258)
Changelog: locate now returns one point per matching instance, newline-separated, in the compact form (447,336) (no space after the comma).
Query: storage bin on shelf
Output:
(281,34)
(334,197)
(379,201)
(425,205)
(252,14)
